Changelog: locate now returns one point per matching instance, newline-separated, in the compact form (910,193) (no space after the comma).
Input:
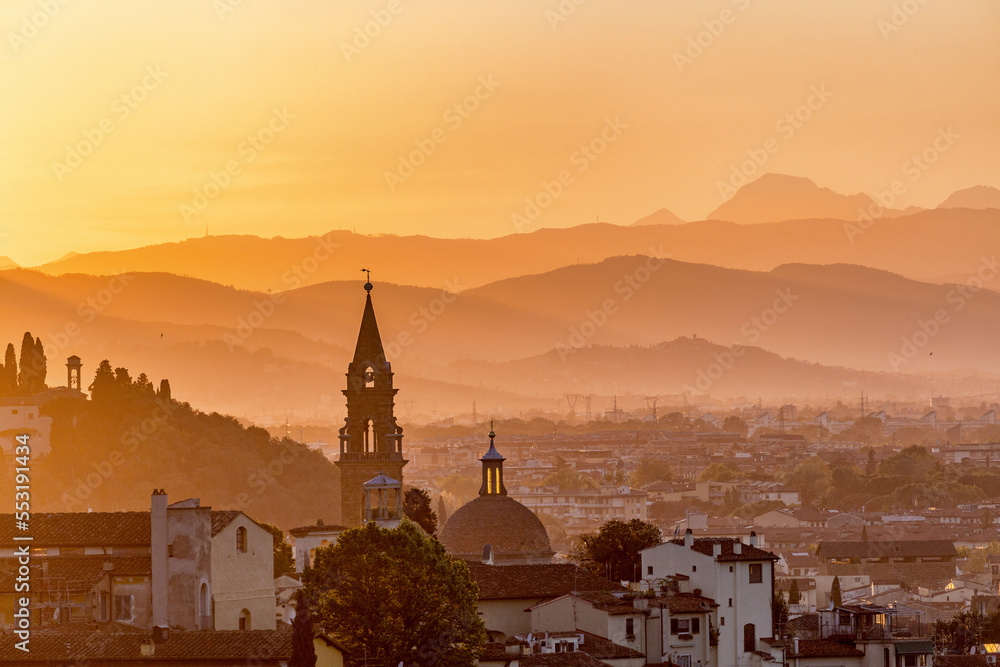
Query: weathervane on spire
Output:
(368,284)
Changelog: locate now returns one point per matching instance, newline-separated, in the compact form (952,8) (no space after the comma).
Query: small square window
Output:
(730,568)
(730,602)
(649,569)
(694,568)
(722,620)
(756,573)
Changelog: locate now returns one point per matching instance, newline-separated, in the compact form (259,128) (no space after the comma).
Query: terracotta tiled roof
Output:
(81,529)
(571,659)
(78,573)
(822,648)
(67,529)
(880,549)
(500,582)
(222,518)
(687,603)
(801,626)
(964,660)
(605,649)
(607,602)
(705,544)
(47,645)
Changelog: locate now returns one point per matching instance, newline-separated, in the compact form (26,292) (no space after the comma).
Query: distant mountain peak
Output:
(661,217)
(780,197)
(8,263)
(976,197)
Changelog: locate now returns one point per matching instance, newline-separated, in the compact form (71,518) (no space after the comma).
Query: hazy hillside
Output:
(687,365)
(778,197)
(661,217)
(840,315)
(924,246)
(976,197)
(258,355)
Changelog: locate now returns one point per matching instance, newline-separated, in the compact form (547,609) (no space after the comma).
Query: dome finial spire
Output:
(492,434)
(368,283)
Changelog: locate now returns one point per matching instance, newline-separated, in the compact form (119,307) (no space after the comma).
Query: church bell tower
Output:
(371,442)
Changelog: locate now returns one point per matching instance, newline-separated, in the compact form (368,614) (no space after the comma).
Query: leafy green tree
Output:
(284,560)
(103,386)
(395,596)
(417,508)
(303,649)
(779,612)
(915,463)
(460,487)
(568,479)
(812,478)
(614,551)
(649,471)
(719,472)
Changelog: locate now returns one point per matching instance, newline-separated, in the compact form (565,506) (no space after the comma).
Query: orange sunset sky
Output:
(168,93)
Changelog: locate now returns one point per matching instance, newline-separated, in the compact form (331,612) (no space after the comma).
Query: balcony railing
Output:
(371,456)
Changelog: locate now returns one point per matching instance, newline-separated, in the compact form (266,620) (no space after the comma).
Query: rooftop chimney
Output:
(158,556)
(795,645)
(737,547)
(716,549)
(753,538)
(688,537)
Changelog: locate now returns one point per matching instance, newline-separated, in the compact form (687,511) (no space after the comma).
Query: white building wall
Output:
(243,580)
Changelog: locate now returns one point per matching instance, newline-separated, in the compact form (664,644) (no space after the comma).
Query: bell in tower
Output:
(370,441)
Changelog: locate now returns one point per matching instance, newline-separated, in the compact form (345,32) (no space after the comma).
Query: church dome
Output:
(514,533)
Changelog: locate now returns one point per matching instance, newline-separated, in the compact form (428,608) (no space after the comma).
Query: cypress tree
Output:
(835,593)
(442,512)
(164,393)
(9,381)
(793,593)
(26,380)
(41,365)
(303,651)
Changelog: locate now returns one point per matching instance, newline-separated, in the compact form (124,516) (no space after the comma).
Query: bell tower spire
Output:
(370,441)
(492,470)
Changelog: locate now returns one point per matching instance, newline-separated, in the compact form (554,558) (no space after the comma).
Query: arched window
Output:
(369,377)
(241,540)
(245,619)
(749,638)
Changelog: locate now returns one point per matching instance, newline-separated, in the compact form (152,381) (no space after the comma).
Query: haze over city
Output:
(434,333)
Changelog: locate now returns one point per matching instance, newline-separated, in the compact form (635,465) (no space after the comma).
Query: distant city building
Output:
(912,562)
(181,566)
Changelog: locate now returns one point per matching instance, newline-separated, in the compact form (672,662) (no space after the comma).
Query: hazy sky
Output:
(162,95)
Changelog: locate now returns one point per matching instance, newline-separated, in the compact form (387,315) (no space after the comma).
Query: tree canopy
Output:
(613,551)
(417,508)
(395,596)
